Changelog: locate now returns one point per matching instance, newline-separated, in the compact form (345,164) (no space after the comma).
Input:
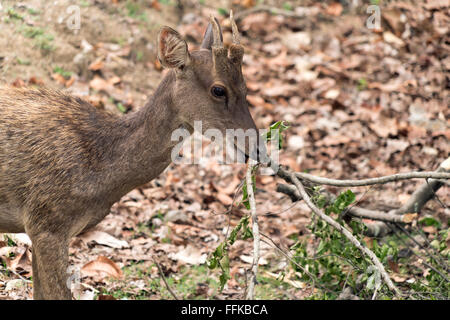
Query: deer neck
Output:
(143,146)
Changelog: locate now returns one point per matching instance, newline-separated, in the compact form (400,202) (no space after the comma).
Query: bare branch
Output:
(371,181)
(255,229)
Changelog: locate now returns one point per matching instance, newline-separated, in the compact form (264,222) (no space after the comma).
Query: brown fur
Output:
(63,163)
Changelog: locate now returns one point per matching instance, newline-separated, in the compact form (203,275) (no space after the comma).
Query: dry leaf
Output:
(96,65)
(99,84)
(102,267)
(398,277)
(70,82)
(249,259)
(18,83)
(104,238)
(224,199)
(21,260)
(430,229)
(189,255)
(114,80)
(391,38)
(157,6)
(248,3)
(59,78)
(409,217)
(255,100)
(334,9)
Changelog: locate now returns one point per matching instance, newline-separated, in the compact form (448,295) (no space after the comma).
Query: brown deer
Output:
(64,163)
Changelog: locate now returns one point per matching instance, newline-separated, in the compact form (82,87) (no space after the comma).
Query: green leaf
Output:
(341,203)
(121,107)
(278,127)
(219,258)
(429,221)
(321,247)
(211,263)
(245,200)
(245,196)
(61,71)
(287,6)
(222,11)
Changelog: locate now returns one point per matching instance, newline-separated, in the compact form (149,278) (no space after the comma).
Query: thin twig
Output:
(164,279)
(21,278)
(429,254)
(255,229)
(289,257)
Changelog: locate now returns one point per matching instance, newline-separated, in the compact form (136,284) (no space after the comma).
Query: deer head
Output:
(209,85)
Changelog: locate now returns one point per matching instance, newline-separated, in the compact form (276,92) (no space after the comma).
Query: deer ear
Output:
(172,49)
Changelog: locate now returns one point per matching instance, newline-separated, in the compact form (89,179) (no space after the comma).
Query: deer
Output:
(64,163)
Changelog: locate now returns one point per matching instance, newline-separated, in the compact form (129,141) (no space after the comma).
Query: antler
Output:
(236,49)
(217,39)
(234,29)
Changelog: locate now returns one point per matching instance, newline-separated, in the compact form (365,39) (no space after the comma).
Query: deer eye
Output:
(218,91)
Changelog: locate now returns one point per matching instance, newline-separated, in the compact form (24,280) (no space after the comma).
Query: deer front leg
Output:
(50,262)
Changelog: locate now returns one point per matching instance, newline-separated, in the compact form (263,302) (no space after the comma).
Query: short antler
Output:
(234,29)
(236,49)
(217,38)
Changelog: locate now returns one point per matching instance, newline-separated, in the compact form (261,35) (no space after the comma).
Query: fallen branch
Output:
(292,177)
(292,192)
(372,181)
(415,203)
(425,192)
(255,230)
(401,215)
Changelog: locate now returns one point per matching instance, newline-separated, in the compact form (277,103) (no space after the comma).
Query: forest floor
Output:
(360,103)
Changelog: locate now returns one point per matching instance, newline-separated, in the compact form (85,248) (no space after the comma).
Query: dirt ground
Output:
(360,102)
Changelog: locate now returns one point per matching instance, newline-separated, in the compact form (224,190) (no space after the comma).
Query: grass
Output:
(362,84)
(12,14)
(189,282)
(184,283)
(270,288)
(61,71)
(33,12)
(42,40)
(84,3)
(135,11)
(23,62)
